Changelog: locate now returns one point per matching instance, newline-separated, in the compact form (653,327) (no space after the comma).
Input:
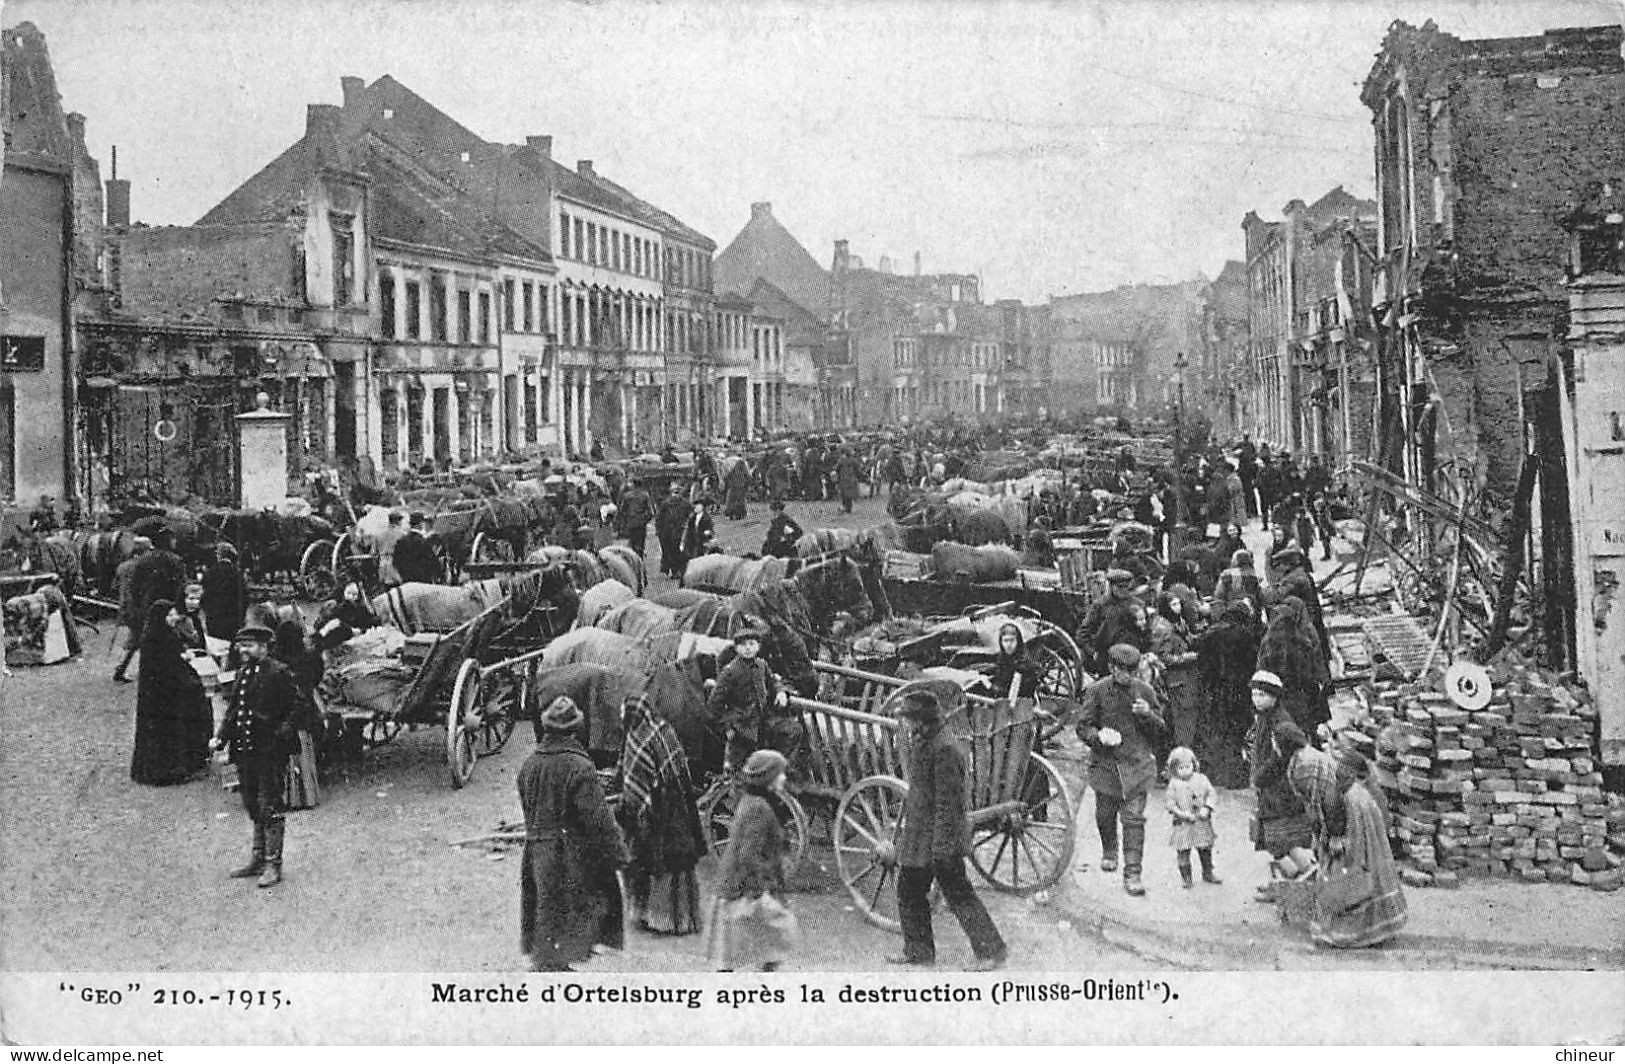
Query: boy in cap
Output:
(753,704)
(935,841)
(1120,721)
(261,728)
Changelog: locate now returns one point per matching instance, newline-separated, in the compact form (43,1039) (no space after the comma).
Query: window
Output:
(615,248)
(343,260)
(507,303)
(567,319)
(465,316)
(530,304)
(386,304)
(564,235)
(437,307)
(541,309)
(485,317)
(414,318)
(578,247)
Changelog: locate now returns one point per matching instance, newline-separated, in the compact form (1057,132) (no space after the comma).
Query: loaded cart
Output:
(1021,811)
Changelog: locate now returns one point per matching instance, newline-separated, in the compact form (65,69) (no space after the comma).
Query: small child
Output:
(1190,800)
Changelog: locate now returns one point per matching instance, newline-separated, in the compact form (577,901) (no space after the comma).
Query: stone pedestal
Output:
(262,438)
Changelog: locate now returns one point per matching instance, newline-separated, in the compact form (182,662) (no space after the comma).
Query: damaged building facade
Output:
(1488,153)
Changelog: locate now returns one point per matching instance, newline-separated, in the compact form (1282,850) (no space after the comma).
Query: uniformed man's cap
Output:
(254,633)
(1124,655)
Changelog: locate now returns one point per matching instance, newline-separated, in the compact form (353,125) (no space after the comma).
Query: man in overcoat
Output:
(414,557)
(1120,721)
(569,897)
(847,473)
(674,509)
(935,841)
(1297,580)
(261,729)
(635,513)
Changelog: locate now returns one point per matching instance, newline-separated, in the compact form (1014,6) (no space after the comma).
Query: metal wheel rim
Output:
(497,726)
(460,755)
(1029,850)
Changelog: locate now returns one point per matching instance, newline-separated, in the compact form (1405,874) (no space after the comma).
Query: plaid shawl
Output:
(1313,775)
(651,759)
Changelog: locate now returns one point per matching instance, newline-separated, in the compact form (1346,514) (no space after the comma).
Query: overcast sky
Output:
(1050,148)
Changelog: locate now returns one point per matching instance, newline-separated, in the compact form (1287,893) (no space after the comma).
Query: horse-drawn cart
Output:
(1022,831)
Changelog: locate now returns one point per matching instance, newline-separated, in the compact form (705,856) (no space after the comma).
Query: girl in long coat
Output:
(173,721)
(751,927)
(1359,900)
(1282,823)
(662,825)
(569,897)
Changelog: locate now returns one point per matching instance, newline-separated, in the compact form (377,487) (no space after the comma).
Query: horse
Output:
(600,599)
(624,564)
(100,554)
(729,573)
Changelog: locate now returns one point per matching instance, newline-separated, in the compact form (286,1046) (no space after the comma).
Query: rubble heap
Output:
(1513,789)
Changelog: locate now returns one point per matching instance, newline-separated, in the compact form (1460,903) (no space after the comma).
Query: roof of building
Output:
(412,206)
(764,249)
(651,215)
(35,125)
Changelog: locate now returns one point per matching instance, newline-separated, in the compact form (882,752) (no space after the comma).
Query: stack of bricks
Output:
(1513,789)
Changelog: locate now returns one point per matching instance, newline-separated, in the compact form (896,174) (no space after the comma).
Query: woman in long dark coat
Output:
(225,594)
(173,722)
(1291,650)
(569,898)
(1225,654)
(662,825)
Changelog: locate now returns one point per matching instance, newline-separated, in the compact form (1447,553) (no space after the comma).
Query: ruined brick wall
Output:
(182,270)
(1529,150)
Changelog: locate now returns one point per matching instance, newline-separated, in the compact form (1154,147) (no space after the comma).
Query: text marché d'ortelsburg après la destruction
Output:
(1004,992)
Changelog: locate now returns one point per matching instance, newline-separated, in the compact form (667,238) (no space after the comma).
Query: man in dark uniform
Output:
(1119,719)
(634,515)
(414,557)
(935,841)
(753,704)
(782,533)
(669,522)
(262,730)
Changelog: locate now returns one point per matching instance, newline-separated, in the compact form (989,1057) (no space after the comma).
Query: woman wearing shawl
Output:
(1291,650)
(662,826)
(1359,901)
(1239,582)
(173,722)
(1171,643)
(1225,654)
(1015,674)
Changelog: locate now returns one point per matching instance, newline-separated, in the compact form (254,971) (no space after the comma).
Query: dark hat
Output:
(256,633)
(1267,681)
(1119,576)
(750,632)
(1287,556)
(763,767)
(920,705)
(561,714)
(1125,655)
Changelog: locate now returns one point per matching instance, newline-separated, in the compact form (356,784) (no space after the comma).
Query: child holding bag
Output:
(751,927)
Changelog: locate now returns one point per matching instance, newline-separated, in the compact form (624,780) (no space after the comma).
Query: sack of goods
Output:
(985,564)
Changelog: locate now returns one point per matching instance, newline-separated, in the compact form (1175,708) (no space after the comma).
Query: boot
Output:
(1132,884)
(1206,857)
(1185,868)
(256,864)
(272,875)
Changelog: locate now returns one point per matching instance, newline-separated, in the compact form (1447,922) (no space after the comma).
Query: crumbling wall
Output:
(182,270)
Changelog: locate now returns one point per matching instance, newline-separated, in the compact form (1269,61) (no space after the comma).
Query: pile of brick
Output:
(1513,789)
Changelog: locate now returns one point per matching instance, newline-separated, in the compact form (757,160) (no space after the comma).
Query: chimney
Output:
(542,146)
(761,210)
(76,128)
(352,91)
(842,255)
(323,119)
(584,168)
(118,198)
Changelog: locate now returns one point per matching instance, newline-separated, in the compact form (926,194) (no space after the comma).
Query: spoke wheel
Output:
(716,808)
(1059,677)
(1030,848)
(464,720)
(316,579)
(500,699)
(867,824)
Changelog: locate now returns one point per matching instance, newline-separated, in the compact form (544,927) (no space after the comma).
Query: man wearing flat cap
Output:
(1111,620)
(569,897)
(935,841)
(261,729)
(1120,720)
(752,704)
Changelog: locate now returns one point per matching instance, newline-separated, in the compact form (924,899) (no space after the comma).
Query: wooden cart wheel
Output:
(1030,848)
(463,722)
(867,824)
(716,808)
(341,555)
(316,573)
(500,699)
(1060,676)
